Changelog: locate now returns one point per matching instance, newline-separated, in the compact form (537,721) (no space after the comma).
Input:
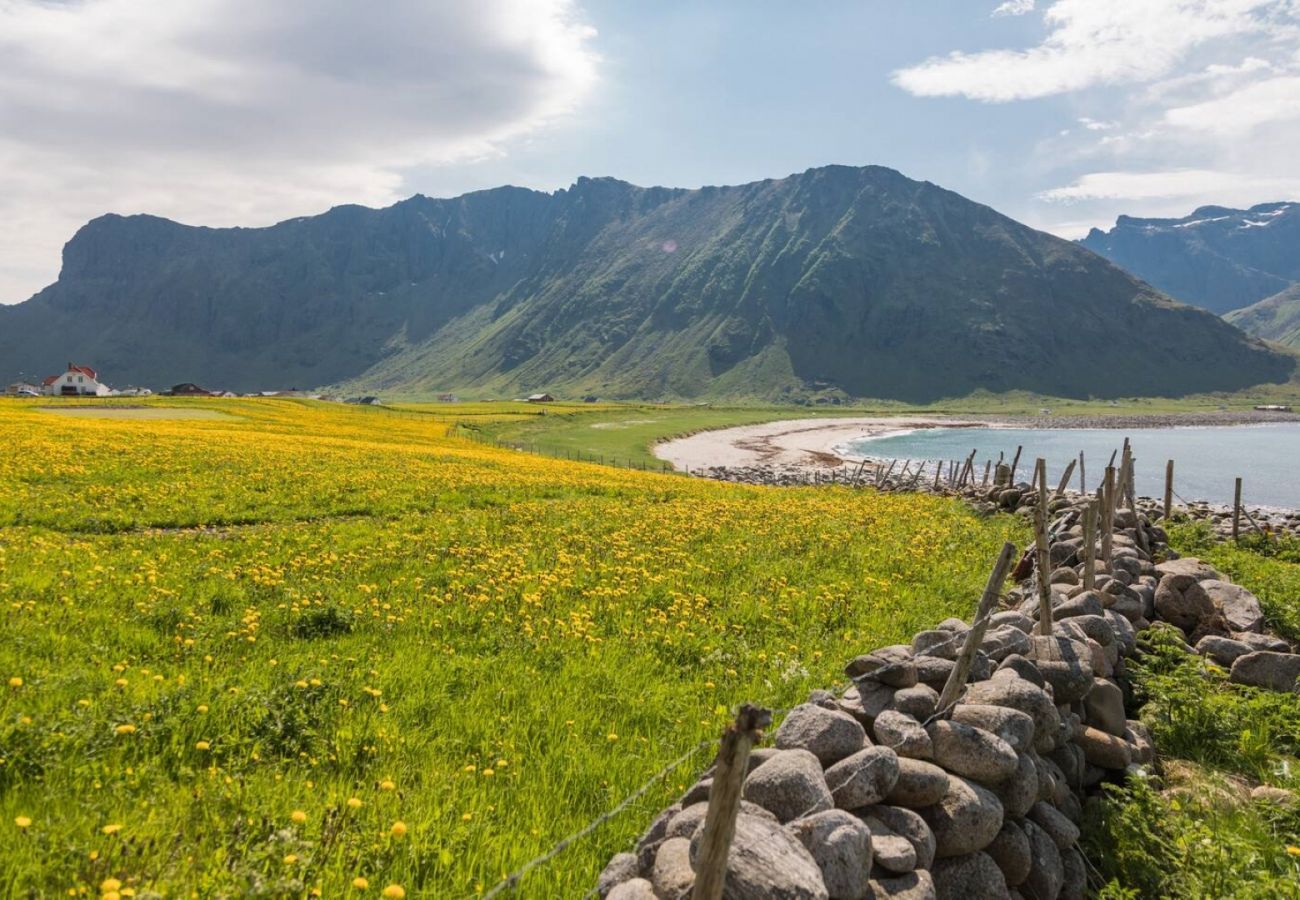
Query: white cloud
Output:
(1195,185)
(1240,112)
(1096,125)
(1014,8)
(241,112)
(1089,42)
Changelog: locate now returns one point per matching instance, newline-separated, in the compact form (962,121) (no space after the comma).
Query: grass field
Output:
(308,644)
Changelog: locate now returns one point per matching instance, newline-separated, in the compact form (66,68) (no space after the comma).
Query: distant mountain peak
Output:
(839,280)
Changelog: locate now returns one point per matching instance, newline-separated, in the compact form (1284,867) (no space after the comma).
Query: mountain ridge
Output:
(849,279)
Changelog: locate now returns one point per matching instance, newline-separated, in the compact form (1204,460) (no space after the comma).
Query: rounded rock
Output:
(828,734)
(789,785)
(967,819)
(864,778)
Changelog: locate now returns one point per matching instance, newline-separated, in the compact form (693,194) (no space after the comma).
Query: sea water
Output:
(1206,458)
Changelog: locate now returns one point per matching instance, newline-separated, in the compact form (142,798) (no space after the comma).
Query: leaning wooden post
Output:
(1044,554)
(952,688)
(1107,513)
(724,800)
(988,465)
(1090,545)
(1065,480)
(1014,464)
(1236,510)
(1169,488)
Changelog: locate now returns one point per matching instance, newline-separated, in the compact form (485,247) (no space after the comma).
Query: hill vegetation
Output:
(1275,318)
(844,282)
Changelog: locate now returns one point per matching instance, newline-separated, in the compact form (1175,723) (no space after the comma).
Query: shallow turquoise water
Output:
(1206,459)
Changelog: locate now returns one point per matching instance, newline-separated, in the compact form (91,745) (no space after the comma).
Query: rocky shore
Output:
(873,791)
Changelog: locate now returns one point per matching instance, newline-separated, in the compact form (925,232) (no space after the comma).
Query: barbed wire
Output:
(512,880)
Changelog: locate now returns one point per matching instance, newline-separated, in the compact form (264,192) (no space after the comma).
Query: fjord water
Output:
(1206,459)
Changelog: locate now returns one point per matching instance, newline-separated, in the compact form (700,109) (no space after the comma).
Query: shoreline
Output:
(818,444)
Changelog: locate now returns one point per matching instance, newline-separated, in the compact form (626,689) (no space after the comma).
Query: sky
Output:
(1060,113)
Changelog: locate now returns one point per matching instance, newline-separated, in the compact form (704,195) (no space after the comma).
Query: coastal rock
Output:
(1182,602)
(864,778)
(903,734)
(1240,608)
(766,860)
(841,845)
(789,785)
(972,877)
(919,784)
(1265,669)
(1188,567)
(1262,641)
(906,823)
(828,734)
(965,820)
(1221,650)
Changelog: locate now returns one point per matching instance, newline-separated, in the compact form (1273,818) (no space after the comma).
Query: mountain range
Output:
(838,280)
(1222,259)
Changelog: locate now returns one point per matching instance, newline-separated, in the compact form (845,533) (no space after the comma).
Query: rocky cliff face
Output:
(1217,258)
(850,279)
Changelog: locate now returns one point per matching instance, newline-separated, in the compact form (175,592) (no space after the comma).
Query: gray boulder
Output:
(1266,669)
(972,877)
(841,845)
(623,867)
(1019,792)
(1046,874)
(919,784)
(967,819)
(865,701)
(789,785)
(893,666)
(828,734)
(1182,602)
(1262,641)
(634,889)
(1010,850)
(1075,883)
(918,701)
(903,734)
(1106,751)
(766,860)
(1240,608)
(1013,726)
(864,778)
(1010,690)
(1065,664)
(1059,828)
(890,850)
(672,875)
(916,885)
(1188,567)
(908,824)
(972,752)
(1104,707)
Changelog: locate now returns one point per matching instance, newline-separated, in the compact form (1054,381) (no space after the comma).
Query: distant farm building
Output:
(188,389)
(540,398)
(78,381)
(22,389)
(448,398)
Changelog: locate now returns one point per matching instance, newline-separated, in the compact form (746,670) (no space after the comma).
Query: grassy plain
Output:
(307,644)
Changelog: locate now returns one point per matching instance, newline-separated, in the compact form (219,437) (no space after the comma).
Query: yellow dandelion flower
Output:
(290,859)
(1294,851)
(398,829)
(611,736)
(121,682)
(354,803)
(298,816)
(127,728)
(360,883)
(110,884)
(394,892)
(114,828)
(23,821)
(202,707)
(15,682)
(201,745)
(387,785)
(466,817)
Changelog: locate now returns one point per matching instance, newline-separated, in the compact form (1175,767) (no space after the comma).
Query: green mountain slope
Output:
(856,279)
(1275,318)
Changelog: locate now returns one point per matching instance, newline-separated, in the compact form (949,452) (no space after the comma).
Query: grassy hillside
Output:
(239,651)
(1275,318)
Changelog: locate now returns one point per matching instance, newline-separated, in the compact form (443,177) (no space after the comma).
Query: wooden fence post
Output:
(952,688)
(1107,513)
(1169,488)
(1044,554)
(1014,464)
(1089,545)
(1065,480)
(1236,510)
(1083,481)
(988,464)
(724,800)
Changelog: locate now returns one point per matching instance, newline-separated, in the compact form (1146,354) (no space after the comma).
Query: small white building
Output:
(78,381)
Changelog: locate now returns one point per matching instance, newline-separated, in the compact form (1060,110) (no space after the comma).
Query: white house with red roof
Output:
(78,381)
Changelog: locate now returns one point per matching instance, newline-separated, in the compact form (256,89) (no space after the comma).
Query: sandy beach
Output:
(803,444)
(791,443)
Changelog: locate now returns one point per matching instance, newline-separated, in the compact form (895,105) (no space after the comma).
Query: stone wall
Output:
(869,793)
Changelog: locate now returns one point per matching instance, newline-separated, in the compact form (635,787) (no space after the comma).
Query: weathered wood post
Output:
(1236,509)
(1044,554)
(988,465)
(1083,481)
(724,800)
(1089,545)
(1015,463)
(1065,480)
(1107,513)
(956,682)
(1169,489)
